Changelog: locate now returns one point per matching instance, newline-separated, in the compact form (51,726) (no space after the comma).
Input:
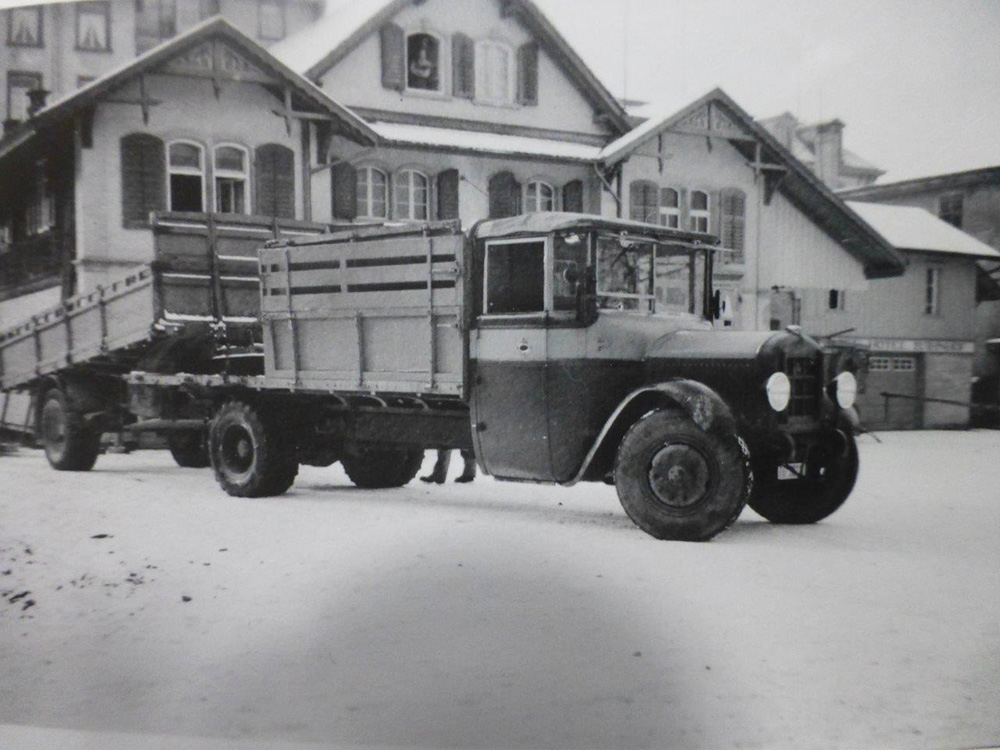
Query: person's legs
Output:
(440,472)
(469,467)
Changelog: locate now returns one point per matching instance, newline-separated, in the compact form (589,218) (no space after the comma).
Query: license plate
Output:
(791,471)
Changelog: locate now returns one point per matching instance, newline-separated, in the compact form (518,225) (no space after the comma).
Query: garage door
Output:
(891,373)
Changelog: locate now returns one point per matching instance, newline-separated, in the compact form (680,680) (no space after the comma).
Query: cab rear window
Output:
(515,277)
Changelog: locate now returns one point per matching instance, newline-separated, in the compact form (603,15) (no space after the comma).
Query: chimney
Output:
(36,101)
(829,152)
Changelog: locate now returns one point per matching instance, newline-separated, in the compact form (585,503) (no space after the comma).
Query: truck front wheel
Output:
(250,456)
(69,445)
(189,448)
(824,482)
(677,481)
(381,468)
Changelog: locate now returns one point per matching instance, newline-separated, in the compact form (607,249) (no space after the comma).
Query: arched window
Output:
(411,195)
(700,211)
(186,182)
(373,194)
(644,202)
(670,207)
(423,62)
(539,196)
(230,167)
(495,72)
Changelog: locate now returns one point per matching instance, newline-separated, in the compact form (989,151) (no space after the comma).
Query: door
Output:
(509,353)
(891,373)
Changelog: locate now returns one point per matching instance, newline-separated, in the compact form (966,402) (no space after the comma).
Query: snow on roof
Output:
(913,228)
(655,116)
(509,145)
(342,18)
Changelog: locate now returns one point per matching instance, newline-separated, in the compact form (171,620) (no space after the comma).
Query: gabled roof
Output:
(913,228)
(799,184)
(985,175)
(306,93)
(346,23)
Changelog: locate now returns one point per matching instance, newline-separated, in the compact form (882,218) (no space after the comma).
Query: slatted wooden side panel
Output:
(382,315)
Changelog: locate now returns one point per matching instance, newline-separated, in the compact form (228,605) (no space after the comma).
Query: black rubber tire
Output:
(381,468)
(69,446)
(668,444)
(828,479)
(251,456)
(190,448)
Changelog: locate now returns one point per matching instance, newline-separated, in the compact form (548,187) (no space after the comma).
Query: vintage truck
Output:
(560,347)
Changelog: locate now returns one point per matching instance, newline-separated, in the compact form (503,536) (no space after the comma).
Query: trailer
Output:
(559,347)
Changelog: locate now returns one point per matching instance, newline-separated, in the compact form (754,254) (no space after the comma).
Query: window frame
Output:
(230,174)
(22,77)
(40,26)
(443,64)
(397,213)
(695,215)
(482,48)
(837,303)
(666,211)
(171,170)
(89,7)
(368,198)
(932,290)
(260,20)
(547,270)
(525,201)
(646,185)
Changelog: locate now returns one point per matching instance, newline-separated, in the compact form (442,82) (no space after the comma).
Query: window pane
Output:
(515,278)
(229,158)
(669,198)
(379,204)
(699,200)
(185,192)
(422,62)
(24,27)
(185,155)
(230,195)
(568,272)
(92,26)
(621,272)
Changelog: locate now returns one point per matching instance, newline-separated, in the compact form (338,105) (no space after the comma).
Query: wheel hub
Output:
(237,449)
(679,475)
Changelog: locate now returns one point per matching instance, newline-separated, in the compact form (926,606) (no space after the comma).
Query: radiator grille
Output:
(803,372)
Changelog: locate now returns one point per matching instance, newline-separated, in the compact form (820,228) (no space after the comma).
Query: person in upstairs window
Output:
(440,472)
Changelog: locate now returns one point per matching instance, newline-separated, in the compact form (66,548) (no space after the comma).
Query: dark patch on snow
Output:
(18,597)
(102,536)
(185,598)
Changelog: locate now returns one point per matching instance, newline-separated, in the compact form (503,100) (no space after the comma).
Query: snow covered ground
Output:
(163,614)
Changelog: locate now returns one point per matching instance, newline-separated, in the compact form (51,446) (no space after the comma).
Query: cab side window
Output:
(515,277)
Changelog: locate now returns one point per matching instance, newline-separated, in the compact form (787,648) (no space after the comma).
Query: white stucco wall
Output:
(189,110)
(357,79)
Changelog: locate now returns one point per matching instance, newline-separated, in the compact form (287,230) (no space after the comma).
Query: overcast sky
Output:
(917,82)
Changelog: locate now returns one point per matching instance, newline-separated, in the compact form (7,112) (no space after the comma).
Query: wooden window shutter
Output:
(732,229)
(344,182)
(447,194)
(144,178)
(527,74)
(715,213)
(274,173)
(573,196)
(463,61)
(393,57)
(505,195)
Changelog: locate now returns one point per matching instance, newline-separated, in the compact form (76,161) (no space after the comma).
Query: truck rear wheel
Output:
(381,468)
(69,446)
(249,454)
(189,448)
(826,480)
(677,481)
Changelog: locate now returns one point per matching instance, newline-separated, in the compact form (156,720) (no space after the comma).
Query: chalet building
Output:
(481,106)
(820,146)
(208,128)
(970,201)
(710,167)
(60,47)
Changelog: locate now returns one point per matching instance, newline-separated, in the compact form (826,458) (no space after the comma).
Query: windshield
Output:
(644,277)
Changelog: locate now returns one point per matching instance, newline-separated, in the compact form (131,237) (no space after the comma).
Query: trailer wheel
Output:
(827,479)
(69,446)
(189,448)
(250,455)
(381,468)
(677,481)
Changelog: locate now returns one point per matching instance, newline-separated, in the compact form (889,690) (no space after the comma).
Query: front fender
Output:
(704,406)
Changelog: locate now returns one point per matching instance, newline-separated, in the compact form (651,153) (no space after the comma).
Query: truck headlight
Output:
(779,391)
(846,389)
